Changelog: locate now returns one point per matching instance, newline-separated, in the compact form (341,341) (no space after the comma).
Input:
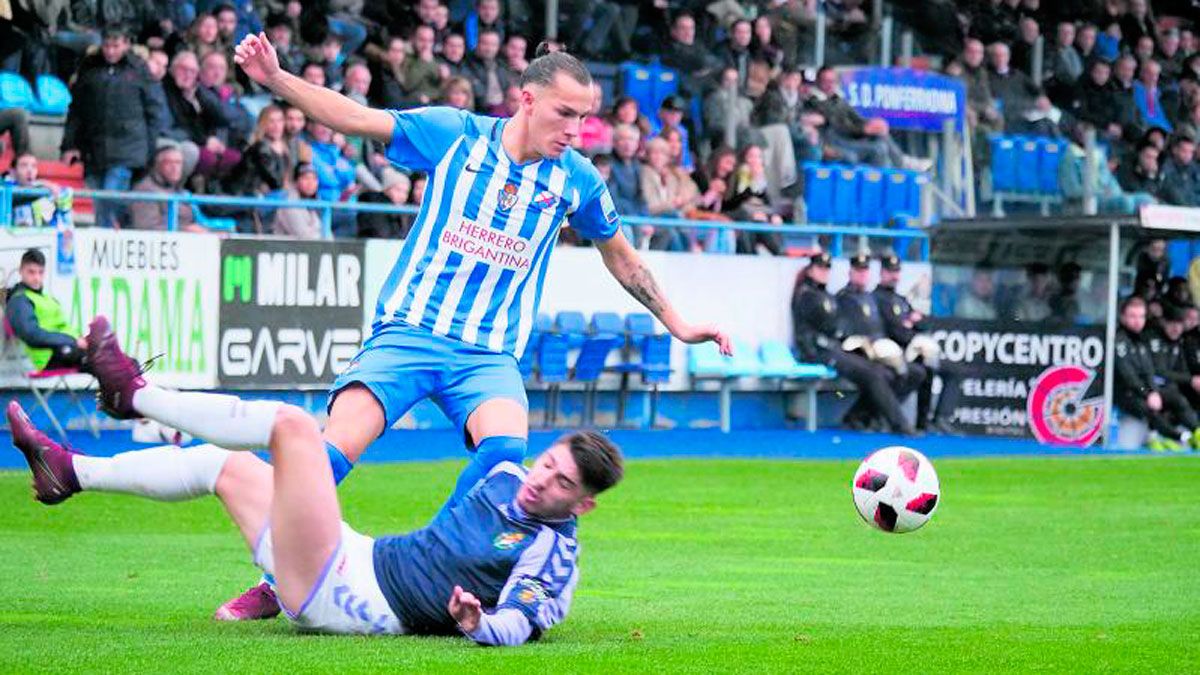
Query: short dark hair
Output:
(600,463)
(546,64)
(33,257)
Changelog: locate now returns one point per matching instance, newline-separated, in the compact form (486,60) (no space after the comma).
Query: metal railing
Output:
(836,233)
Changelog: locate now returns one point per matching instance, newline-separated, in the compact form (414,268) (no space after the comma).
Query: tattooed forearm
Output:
(641,285)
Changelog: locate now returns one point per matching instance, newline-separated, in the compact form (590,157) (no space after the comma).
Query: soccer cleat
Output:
(1194,439)
(118,375)
(54,479)
(259,602)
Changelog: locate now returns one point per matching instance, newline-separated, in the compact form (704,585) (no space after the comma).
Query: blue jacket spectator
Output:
(335,173)
(1148,98)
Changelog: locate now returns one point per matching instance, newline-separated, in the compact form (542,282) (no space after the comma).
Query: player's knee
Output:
(293,423)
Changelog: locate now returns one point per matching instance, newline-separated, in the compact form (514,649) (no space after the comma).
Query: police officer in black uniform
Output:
(818,340)
(1138,390)
(901,323)
(859,314)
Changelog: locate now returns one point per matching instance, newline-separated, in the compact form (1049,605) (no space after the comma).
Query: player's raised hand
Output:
(465,609)
(705,333)
(257,57)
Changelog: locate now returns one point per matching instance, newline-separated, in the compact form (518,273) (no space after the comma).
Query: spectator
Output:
(625,111)
(488,76)
(388,82)
(979,302)
(1015,90)
(39,211)
(1094,102)
(1066,66)
(1085,41)
(268,161)
(280,33)
(294,122)
(313,72)
(1148,99)
(981,104)
(453,59)
(1064,303)
(486,17)
(214,76)
(227,25)
(763,48)
(613,25)
(735,52)
(421,77)
(749,201)
(670,116)
(714,183)
(515,49)
(1136,385)
(166,177)
(512,103)
(302,222)
(855,138)
(112,122)
(1034,303)
(667,193)
(204,36)
(1141,174)
(396,190)
(1109,195)
(331,57)
(39,321)
(626,181)
(1181,174)
(1152,267)
(1137,22)
(419,181)
(596,132)
(335,173)
(725,105)
(694,62)
(197,118)
(457,92)
(1022,50)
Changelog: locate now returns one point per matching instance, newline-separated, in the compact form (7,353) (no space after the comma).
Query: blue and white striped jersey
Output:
(473,266)
(522,569)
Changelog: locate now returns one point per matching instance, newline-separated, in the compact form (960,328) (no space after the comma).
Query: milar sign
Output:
(291,312)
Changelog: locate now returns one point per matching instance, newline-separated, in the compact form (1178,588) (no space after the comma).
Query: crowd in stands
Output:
(148,74)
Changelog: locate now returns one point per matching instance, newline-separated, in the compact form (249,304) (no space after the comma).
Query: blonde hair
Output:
(459,84)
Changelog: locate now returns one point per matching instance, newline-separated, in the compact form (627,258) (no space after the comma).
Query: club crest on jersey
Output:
(508,540)
(530,592)
(545,199)
(507,196)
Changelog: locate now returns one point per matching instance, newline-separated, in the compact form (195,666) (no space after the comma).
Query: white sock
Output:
(166,473)
(225,420)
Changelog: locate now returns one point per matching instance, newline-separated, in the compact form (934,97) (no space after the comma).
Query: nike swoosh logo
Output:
(472,169)
(56,487)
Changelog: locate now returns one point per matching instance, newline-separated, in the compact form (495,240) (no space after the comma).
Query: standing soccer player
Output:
(456,311)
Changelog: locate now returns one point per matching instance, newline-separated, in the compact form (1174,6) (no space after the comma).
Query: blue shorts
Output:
(401,365)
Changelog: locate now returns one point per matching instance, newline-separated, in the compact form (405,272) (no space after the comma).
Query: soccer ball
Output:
(896,489)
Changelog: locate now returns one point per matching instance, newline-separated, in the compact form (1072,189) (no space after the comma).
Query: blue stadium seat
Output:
(640,323)
(705,361)
(818,192)
(845,194)
(744,362)
(666,82)
(529,357)
(1180,253)
(572,326)
(552,370)
(15,92)
(916,182)
(212,223)
(607,323)
(1027,163)
(895,193)
(870,197)
(1004,163)
(637,82)
(53,96)
(543,323)
(1050,154)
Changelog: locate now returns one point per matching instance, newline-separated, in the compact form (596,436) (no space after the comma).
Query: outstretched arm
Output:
(257,57)
(627,267)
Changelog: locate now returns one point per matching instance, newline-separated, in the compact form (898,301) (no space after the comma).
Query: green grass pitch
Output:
(1059,565)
